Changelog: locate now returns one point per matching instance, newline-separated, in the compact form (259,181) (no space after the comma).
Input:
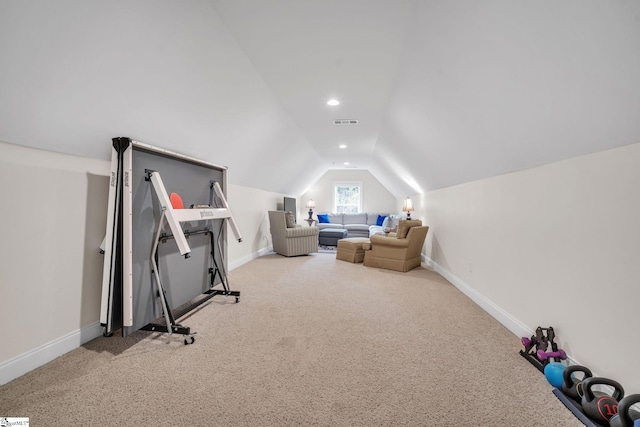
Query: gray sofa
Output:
(357,224)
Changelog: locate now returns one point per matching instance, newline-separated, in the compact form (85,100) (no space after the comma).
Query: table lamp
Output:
(408,207)
(311,205)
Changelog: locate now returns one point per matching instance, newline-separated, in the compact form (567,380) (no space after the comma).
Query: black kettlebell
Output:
(626,417)
(571,386)
(600,406)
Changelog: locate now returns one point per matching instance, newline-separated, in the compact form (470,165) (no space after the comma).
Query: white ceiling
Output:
(445,91)
(311,51)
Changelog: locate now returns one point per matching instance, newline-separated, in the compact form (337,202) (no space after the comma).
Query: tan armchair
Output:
(291,241)
(401,252)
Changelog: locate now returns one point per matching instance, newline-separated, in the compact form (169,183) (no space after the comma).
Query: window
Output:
(347,197)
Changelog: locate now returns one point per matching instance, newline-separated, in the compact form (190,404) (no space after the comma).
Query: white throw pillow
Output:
(291,222)
(394,220)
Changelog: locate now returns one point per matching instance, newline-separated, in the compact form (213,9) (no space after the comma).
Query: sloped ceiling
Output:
(492,87)
(445,91)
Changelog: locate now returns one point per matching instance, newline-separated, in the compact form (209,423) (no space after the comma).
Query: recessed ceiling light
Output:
(342,146)
(346,163)
(333,102)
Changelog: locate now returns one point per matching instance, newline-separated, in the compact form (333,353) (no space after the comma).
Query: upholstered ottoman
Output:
(330,236)
(351,249)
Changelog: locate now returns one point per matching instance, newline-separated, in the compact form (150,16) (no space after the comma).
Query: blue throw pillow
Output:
(323,218)
(380,219)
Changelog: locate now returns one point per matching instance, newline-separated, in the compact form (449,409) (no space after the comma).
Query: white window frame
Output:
(337,184)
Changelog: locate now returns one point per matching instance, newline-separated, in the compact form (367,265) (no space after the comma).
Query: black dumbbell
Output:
(626,417)
(571,386)
(600,406)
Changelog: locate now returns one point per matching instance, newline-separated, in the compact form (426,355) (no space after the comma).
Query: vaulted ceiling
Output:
(444,91)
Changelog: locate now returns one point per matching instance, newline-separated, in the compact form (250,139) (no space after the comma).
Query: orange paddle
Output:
(176,201)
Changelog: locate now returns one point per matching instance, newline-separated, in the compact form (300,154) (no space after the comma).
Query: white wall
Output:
(553,246)
(557,245)
(52,223)
(375,197)
(249,207)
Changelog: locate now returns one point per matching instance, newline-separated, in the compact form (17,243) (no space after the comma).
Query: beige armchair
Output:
(294,240)
(401,252)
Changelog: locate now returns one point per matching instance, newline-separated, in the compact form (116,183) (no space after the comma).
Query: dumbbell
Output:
(571,386)
(526,342)
(626,417)
(600,406)
(544,355)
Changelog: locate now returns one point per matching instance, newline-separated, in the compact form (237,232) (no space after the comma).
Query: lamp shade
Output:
(311,204)
(408,205)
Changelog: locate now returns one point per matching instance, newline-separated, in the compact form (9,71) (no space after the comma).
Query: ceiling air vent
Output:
(345,122)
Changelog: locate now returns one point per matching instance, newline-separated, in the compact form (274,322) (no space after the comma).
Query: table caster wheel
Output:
(186,340)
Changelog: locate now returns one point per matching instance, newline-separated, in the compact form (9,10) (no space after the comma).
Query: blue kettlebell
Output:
(553,372)
(626,417)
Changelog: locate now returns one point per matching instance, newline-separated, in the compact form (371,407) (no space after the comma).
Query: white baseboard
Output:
(507,320)
(39,356)
(237,263)
(26,362)
(20,365)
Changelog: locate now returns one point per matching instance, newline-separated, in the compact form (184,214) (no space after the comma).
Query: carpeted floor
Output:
(313,341)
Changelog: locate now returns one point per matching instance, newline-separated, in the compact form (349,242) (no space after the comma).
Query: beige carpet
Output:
(313,341)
